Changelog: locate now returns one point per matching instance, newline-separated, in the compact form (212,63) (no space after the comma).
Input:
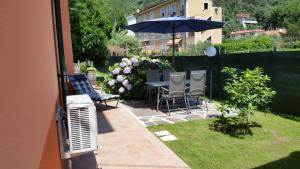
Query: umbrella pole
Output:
(173,57)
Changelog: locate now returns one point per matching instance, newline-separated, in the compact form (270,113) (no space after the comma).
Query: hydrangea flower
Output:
(125,83)
(120,78)
(154,60)
(116,71)
(129,87)
(121,90)
(127,61)
(123,64)
(111,83)
(127,70)
(134,61)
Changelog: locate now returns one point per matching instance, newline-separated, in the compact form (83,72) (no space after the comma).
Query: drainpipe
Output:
(62,64)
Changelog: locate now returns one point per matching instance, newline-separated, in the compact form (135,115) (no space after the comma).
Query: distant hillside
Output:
(130,6)
(230,7)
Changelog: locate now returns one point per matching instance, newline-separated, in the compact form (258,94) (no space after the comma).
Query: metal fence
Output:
(282,67)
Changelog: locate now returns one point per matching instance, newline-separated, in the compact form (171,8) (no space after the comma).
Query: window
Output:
(173,10)
(182,9)
(191,34)
(162,12)
(205,6)
(169,10)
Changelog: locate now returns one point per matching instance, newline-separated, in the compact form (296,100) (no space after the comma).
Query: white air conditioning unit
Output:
(82,124)
(80,137)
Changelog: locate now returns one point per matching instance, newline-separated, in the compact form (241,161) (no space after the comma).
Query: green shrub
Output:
(259,43)
(128,77)
(247,91)
(195,50)
(83,67)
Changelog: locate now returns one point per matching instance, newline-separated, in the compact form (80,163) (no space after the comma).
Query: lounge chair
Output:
(82,85)
(176,89)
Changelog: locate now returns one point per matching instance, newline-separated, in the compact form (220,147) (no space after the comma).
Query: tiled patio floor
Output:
(127,144)
(148,116)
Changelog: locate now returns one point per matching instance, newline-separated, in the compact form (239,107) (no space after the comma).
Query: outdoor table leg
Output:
(158,99)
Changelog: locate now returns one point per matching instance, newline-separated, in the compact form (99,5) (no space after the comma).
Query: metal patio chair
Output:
(152,76)
(197,86)
(166,74)
(176,89)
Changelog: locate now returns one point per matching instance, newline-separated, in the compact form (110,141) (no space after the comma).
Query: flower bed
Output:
(128,77)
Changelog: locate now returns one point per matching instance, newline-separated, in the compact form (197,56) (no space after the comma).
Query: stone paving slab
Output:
(148,116)
(127,144)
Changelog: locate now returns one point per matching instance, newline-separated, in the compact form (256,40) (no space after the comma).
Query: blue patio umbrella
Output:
(174,25)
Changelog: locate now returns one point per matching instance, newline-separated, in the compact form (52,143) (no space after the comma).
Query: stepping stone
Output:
(162,133)
(168,138)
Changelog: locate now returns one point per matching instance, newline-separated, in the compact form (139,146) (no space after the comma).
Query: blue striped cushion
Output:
(82,85)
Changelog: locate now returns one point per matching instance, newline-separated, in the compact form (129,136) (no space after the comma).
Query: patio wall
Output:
(283,67)
(29,87)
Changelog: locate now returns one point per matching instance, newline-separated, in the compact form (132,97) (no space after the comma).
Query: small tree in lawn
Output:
(247,91)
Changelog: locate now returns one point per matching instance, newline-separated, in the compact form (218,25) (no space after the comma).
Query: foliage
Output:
(93,69)
(92,22)
(285,14)
(247,91)
(128,77)
(269,17)
(129,7)
(290,13)
(195,50)
(231,26)
(83,67)
(253,43)
(122,40)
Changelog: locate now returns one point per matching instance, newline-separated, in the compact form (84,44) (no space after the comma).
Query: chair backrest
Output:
(166,74)
(153,75)
(197,83)
(177,84)
(81,84)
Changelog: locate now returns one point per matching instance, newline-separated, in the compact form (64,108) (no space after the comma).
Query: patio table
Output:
(158,85)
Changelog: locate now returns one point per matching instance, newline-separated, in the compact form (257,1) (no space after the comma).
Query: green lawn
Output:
(276,144)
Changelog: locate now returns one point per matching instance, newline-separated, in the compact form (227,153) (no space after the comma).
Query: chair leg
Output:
(147,91)
(187,105)
(206,104)
(167,100)
(105,103)
(117,103)
(197,101)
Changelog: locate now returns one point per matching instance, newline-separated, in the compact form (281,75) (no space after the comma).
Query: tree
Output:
(122,40)
(247,91)
(91,25)
(231,26)
(290,13)
(269,17)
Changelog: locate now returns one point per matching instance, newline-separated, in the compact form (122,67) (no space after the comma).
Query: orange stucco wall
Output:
(29,92)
